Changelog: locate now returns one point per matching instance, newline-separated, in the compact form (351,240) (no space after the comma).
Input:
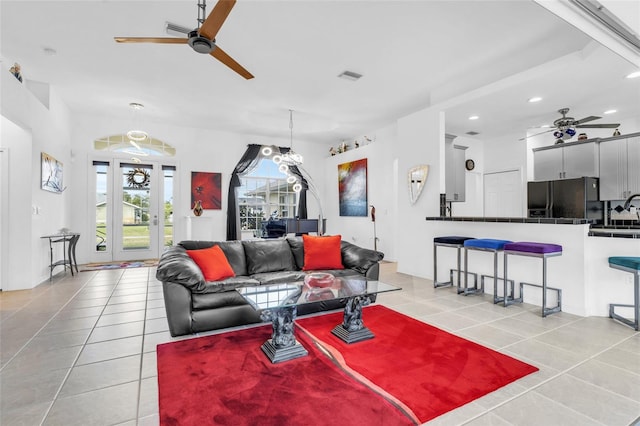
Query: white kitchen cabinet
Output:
(619,167)
(455,170)
(566,161)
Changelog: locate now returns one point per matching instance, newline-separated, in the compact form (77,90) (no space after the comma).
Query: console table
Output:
(69,241)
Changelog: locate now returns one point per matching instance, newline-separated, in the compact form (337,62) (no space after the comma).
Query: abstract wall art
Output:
(207,187)
(51,174)
(352,188)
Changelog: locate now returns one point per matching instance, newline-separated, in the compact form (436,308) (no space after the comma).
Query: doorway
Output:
(503,194)
(133,209)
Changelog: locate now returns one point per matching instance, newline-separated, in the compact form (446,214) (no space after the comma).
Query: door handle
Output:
(155,220)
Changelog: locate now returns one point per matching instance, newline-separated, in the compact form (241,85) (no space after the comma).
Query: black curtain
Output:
(245,162)
(302,198)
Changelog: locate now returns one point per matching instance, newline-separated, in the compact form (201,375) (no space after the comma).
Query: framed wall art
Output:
(206,187)
(352,188)
(51,174)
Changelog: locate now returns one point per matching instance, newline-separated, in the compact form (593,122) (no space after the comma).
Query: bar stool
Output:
(453,242)
(632,265)
(542,251)
(482,244)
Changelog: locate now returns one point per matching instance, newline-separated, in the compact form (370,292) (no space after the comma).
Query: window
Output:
(264,197)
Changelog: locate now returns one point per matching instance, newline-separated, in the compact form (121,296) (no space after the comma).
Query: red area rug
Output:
(428,369)
(409,373)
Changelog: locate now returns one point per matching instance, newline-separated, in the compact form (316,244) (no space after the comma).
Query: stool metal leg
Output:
(635,324)
(466,290)
(509,297)
(545,310)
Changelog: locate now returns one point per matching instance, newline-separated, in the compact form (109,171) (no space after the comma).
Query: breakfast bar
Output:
(582,272)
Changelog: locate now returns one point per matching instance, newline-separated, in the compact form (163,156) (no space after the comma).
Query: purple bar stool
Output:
(541,251)
(453,242)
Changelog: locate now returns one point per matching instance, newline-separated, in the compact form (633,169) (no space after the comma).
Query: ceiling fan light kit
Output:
(201,39)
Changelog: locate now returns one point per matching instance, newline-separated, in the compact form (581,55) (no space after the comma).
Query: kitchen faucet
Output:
(628,202)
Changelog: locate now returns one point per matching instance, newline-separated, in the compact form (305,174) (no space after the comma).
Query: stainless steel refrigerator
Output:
(566,198)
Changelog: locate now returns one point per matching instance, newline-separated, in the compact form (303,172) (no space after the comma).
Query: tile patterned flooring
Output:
(81,351)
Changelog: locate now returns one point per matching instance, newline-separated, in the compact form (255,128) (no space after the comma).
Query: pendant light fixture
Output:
(136,135)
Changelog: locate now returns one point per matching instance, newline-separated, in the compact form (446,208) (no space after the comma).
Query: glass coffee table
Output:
(278,303)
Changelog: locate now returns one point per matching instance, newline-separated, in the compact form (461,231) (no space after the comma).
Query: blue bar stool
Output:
(541,251)
(453,242)
(632,265)
(481,244)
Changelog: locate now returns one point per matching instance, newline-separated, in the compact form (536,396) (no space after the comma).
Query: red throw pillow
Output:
(322,252)
(213,263)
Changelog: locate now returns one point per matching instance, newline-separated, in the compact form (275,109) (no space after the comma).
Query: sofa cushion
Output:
(233,250)
(297,249)
(359,258)
(279,277)
(268,256)
(322,252)
(213,263)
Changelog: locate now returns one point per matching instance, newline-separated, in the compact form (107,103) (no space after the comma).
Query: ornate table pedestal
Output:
(283,345)
(352,328)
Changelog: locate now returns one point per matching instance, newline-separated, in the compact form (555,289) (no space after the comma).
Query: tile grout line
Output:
(557,375)
(144,329)
(84,344)
(44,325)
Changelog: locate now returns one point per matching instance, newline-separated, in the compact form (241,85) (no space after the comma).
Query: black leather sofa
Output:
(194,305)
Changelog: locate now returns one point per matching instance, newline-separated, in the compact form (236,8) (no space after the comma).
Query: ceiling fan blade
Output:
(216,18)
(600,126)
(164,40)
(537,134)
(586,119)
(220,55)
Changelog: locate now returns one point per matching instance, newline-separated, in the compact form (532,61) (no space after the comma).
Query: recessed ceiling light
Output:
(610,111)
(634,74)
(474,117)
(535,99)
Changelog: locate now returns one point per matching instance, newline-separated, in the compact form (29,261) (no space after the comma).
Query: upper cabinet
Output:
(566,161)
(620,167)
(454,170)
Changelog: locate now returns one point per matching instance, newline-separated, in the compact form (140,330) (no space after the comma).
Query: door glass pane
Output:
(168,207)
(100,171)
(136,184)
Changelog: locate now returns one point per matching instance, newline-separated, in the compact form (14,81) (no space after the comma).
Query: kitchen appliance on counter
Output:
(565,198)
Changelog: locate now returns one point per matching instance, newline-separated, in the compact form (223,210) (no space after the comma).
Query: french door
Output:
(133,210)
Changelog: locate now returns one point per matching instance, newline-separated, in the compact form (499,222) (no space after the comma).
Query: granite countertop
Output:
(552,221)
(621,229)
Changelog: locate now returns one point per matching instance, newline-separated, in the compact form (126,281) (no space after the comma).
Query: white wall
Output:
(202,150)
(29,128)
(381,193)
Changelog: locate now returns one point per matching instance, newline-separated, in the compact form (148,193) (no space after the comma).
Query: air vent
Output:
(472,133)
(350,75)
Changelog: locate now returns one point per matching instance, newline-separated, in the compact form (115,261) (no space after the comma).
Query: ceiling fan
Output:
(201,39)
(565,127)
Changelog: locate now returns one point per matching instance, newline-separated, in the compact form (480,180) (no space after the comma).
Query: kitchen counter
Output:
(596,229)
(552,221)
(582,272)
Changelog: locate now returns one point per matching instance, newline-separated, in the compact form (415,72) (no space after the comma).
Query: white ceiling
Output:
(412,54)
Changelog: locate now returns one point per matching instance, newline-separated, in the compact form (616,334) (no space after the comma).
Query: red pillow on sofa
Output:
(213,263)
(322,252)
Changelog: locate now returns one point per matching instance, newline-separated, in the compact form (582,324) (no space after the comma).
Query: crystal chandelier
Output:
(288,159)
(136,135)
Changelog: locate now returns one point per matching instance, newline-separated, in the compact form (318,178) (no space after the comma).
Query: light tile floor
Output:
(81,351)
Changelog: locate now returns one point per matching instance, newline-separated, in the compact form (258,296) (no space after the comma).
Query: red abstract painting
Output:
(207,187)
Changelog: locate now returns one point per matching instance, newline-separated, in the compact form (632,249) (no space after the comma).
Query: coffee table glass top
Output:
(270,296)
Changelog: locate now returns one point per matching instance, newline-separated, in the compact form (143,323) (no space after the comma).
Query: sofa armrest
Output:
(360,259)
(177,303)
(176,266)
